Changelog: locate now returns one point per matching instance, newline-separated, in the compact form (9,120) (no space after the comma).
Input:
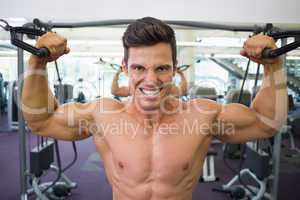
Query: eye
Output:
(139,68)
(163,69)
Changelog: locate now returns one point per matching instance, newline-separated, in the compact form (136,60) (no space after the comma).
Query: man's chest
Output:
(155,153)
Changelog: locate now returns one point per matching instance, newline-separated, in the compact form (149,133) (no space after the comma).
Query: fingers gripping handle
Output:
(42,52)
(269,53)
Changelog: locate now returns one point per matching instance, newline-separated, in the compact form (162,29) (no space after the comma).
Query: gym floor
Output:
(89,174)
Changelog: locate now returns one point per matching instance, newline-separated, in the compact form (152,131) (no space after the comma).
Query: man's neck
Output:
(145,117)
(153,117)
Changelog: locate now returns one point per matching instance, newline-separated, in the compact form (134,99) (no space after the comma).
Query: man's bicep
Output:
(237,123)
(62,131)
(237,114)
(122,92)
(231,134)
(68,122)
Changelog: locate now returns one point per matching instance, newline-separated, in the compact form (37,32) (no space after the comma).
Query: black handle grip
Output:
(42,52)
(39,23)
(268,53)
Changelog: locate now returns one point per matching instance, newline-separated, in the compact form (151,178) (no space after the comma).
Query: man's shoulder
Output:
(106,104)
(201,104)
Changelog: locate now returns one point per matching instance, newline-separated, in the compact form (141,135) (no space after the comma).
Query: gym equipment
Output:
(292,128)
(234,95)
(234,151)
(235,192)
(208,173)
(14,31)
(40,157)
(253,192)
(2,95)
(114,66)
(80,96)
(257,166)
(5,96)
(49,26)
(55,189)
(64,91)
(203,92)
(269,53)
(12,106)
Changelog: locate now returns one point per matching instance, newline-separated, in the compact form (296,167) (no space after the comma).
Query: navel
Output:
(185,166)
(121,165)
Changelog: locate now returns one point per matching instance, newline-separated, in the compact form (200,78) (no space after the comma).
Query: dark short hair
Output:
(148,31)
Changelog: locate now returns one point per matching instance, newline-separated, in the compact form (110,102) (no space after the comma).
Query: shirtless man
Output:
(153,146)
(123,91)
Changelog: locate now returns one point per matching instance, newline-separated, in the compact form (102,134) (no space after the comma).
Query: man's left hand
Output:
(254,46)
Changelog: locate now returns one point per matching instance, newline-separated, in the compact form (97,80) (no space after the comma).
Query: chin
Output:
(149,106)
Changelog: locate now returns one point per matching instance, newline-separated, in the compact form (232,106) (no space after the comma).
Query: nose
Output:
(151,77)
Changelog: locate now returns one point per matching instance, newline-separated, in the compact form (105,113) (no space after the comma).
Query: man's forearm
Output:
(182,84)
(38,102)
(115,84)
(270,102)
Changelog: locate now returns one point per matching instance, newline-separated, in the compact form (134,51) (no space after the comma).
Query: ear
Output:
(175,68)
(124,67)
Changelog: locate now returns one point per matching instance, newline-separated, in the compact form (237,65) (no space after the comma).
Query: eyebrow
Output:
(138,65)
(165,65)
(135,65)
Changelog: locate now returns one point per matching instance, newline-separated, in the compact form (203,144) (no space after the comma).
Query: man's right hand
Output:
(56,44)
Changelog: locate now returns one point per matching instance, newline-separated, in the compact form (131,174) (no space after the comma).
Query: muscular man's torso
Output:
(162,161)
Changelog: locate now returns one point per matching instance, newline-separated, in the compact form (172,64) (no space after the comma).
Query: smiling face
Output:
(151,71)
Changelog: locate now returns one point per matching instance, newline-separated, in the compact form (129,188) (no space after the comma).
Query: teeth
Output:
(150,92)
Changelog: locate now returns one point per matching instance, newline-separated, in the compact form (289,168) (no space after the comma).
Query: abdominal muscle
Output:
(160,176)
(153,189)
